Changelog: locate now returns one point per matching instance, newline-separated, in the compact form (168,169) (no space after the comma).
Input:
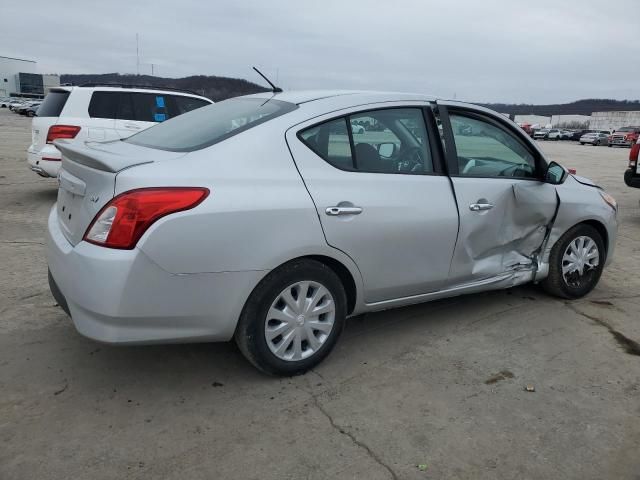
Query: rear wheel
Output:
(293,318)
(575,263)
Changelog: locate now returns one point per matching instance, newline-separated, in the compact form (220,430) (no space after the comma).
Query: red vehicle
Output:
(624,137)
(632,174)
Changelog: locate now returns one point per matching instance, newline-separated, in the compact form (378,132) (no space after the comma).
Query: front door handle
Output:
(131,126)
(478,207)
(334,211)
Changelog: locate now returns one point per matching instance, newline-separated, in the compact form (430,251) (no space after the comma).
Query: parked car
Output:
(5,102)
(632,174)
(566,134)
(259,219)
(100,113)
(541,134)
(15,104)
(357,129)
(577,134)
(595,138)
(26,106)
(625,137)
(32,110)
(554,134)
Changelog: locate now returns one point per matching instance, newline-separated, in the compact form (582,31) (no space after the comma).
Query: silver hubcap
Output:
(299,321)
(580,258)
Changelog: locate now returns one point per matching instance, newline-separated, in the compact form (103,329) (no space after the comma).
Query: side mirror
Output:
(555,174)
(386,150)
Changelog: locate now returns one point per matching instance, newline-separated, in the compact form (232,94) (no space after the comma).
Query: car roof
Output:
(115,88)
(351,96)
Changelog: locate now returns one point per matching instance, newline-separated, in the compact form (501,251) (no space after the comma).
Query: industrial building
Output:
(18,77)
(614,120)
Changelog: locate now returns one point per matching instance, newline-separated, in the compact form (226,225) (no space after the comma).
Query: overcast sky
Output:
(479,50)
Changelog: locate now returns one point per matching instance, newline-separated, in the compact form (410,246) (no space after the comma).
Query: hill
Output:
(580,107)
(215,88)
(219,88)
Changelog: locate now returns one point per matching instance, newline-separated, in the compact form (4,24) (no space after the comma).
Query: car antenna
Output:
(274,89)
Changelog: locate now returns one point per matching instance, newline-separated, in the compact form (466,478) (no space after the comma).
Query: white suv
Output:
(100,113)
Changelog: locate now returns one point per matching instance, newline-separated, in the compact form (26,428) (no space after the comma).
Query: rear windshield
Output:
(208,125)
(53,104)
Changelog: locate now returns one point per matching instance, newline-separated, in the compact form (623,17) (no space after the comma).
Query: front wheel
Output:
(575,263)
(293,318)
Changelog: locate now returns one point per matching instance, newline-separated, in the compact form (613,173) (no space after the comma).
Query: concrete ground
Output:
(440,386)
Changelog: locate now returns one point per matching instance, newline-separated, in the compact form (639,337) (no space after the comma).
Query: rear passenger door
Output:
(381,195)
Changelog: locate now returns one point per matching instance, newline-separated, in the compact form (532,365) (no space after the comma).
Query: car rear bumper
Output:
(123,297)
(45,163)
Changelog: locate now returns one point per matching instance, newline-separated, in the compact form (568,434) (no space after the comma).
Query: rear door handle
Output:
(131,126)
(478,207)
(335,211)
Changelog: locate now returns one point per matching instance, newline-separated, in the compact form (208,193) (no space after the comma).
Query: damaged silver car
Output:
(269,219)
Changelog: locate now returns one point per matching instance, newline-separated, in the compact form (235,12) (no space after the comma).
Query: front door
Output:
(381,196)
(505,208)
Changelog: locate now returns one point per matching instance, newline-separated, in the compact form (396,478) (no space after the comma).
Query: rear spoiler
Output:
(91,155)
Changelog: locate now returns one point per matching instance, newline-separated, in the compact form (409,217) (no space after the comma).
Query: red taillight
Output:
(123,220)
(633,155)
(62,131)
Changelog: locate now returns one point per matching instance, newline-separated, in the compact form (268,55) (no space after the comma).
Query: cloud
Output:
(494,50)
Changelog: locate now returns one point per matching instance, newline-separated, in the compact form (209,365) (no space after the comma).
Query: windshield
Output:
(209,125)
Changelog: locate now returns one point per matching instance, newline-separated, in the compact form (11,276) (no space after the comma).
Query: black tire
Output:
(250,336)
(555,283)
(596,143)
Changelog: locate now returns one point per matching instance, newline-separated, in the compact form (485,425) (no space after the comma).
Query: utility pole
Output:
(152,69)
(137,57)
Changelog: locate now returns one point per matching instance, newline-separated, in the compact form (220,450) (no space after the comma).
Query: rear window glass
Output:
(53,104)
(179,104)
(205,126)
(141,107)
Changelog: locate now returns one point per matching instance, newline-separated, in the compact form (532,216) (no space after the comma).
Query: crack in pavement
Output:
(629,345)
(24,242)
(357,442)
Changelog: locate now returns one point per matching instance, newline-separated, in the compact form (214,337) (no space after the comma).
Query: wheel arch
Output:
(601,229)
(343,273)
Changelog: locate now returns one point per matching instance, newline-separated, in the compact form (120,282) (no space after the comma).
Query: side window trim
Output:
(452,153)
(352,145)
(435,143)
(437,168)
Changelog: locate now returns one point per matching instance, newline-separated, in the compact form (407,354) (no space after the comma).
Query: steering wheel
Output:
(412,160)
(511,168)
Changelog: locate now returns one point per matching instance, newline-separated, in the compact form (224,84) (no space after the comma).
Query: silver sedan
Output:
(267,220)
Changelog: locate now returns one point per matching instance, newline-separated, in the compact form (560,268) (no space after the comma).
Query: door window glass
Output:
(125,108)
(330,141)
(486,150)
(103,104)
(149,107)
(392,140)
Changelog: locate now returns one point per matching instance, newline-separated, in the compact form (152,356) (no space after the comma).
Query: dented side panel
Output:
(505,237)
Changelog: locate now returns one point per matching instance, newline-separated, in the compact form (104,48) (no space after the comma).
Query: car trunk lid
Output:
(87,179)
